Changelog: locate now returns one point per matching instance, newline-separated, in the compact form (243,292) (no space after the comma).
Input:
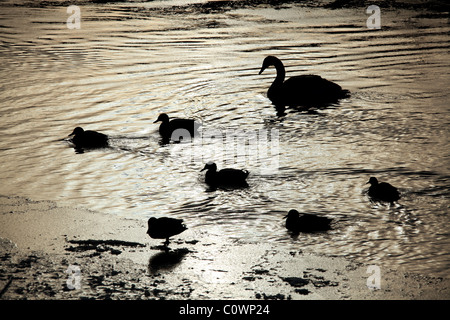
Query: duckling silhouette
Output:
(382,191)
(164,228)
(88,139)
(306,222)
(177,128)
(226,177)
(300,91)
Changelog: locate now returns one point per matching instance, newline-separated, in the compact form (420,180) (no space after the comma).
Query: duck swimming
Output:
(382,191)
(226,177)
(177,129)
(164,228)
(306,222)
(304,90)
(88,139)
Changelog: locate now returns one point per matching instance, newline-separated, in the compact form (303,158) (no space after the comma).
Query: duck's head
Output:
(77,130)
(150,223)
(210,166)
(373,181)
(269,61)
(162,117)
(292,214)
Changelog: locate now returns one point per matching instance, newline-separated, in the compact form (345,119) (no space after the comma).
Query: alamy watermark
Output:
(74,280)
(74,20)
(374,280)
(258,149)
(374,21)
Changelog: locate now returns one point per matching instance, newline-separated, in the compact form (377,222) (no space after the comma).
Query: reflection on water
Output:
(130,62)
(166,260)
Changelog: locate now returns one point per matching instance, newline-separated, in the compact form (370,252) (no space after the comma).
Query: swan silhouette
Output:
(382,191)
(177,129)
(88,139)
(305,222)
(300,91)
(226,177)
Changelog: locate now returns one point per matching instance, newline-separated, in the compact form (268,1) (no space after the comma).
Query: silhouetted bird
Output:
(176,128)
(225,177)
(164,228)
(382,191)
(88,139)
(304,90)
(304,222)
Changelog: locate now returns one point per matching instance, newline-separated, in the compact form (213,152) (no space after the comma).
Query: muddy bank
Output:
(53,252)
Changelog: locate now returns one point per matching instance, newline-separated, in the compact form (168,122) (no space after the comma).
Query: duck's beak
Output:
(156,120)
(203,169)
(285,216)
(262,69)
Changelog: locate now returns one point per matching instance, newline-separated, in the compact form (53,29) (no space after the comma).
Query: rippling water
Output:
(131,61)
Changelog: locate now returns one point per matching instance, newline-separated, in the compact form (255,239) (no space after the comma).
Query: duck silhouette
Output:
(88,139)
(300,91)
(164,228)
(382,191)
(226,177)
(305,222)
(177,129)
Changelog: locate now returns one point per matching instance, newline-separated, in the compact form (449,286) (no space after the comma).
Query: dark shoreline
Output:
(118,262)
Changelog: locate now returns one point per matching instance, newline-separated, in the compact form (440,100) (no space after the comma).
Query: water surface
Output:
(131,61)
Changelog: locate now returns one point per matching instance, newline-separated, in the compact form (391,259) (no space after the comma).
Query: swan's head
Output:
(373,181)
(210,165)
(269,61)
(162,117)
(77,130)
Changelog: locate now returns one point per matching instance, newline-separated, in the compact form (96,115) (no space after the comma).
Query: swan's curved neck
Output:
(281,73)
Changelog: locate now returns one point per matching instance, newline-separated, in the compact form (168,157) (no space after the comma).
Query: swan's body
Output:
(176,128)
(382,191)
(297,222)
(164,228)
(226,177)
(305,90)
(88,139)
